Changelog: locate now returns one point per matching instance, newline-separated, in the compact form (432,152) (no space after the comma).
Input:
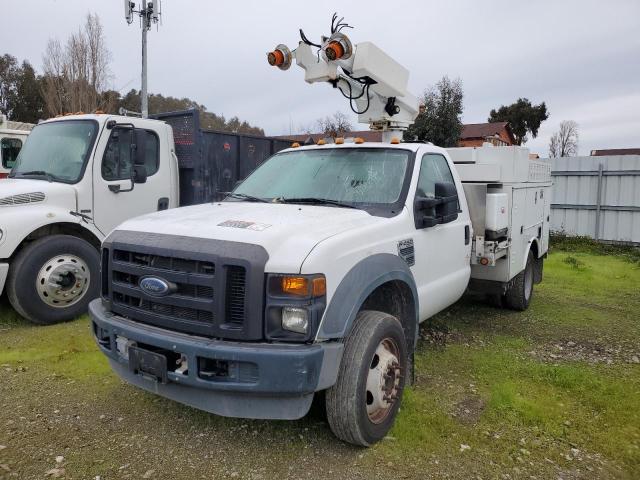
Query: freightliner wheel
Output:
(362,405)
(53,279)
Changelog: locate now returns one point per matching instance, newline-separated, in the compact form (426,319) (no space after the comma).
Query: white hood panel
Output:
(288,232)
(17,192)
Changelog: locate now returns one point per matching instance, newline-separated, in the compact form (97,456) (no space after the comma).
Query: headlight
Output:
(294,306)
(295,319)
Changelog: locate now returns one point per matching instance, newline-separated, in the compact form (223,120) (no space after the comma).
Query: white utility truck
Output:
(12,137)
(315,273)
(78,176)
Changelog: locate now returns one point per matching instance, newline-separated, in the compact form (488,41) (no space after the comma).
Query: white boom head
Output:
(373,82)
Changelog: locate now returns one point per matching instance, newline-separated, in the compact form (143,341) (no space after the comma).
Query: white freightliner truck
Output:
(78,176)
(315,273)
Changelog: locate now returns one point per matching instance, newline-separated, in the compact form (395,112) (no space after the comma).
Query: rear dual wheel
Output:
(362,405)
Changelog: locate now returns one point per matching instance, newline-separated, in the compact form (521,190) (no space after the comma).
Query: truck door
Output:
(442,267)
(113,203)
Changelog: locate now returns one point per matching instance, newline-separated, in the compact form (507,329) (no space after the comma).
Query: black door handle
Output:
(163,203)
(467,235)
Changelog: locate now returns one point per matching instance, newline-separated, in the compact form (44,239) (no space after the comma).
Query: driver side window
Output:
(433,169)
(118,157)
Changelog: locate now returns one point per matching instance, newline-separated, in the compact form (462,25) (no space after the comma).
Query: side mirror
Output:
(441,208)
(139,146)
(139,174)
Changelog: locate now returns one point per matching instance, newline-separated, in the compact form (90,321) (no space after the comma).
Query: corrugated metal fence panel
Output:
(576,209)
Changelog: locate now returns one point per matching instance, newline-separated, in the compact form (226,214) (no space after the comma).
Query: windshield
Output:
(56,150)
(353,176)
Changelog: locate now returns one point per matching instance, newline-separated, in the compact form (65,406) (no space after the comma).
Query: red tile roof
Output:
(615,151)
(483,130)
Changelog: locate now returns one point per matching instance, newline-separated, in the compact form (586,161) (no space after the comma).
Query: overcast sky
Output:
(581,57)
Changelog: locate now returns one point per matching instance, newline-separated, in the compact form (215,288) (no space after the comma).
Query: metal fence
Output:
(598,197)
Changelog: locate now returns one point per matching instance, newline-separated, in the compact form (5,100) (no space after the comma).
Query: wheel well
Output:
(395,298)
(534,248)
(72,229)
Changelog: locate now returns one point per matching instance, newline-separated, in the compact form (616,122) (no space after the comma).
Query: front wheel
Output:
(53,279)
(362,405)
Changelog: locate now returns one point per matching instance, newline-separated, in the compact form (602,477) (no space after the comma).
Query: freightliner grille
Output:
(208,297)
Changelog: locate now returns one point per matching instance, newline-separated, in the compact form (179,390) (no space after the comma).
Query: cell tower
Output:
(149,14)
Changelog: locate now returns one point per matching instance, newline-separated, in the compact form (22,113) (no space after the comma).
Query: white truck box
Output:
(505,189)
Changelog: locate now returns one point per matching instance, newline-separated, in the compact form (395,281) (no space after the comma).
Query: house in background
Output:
(496,133)
(473,135)
(615,151)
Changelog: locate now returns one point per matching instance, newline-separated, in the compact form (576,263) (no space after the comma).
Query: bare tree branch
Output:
(78,74)
(564,143)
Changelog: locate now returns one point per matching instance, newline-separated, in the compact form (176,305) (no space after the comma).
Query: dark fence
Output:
(212,162)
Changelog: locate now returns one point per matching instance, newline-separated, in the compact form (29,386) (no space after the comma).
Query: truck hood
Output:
(287,232)
(18,192)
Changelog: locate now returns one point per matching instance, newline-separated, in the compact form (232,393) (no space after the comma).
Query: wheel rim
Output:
(528,282)
(383,381)
(63,281)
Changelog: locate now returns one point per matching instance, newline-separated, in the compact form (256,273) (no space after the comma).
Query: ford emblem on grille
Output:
(155,286)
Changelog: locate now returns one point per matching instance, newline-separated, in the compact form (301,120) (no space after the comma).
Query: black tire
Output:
(346,401)
(24,271)
(518,296)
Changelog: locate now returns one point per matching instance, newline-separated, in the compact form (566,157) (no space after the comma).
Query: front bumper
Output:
(270,381)
(4,271)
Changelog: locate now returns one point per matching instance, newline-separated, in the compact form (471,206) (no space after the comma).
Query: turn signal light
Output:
(295,286)
(300,286)
(334,51)
(484,261)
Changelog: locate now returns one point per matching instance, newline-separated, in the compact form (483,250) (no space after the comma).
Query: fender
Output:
(357,285)
(19,222)
(532,240)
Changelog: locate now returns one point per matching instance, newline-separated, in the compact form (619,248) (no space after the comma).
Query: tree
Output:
(76,75)
(336,125)
(29,105)
(564,143)
(208,120)
(8,83)
(523,118)
(439,120)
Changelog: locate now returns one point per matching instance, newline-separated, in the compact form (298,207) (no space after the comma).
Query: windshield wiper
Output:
(314,200)
(38,173)
(244,196)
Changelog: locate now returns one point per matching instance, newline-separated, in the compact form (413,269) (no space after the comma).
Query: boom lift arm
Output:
(373,82)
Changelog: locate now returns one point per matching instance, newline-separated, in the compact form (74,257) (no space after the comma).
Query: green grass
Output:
(485,379)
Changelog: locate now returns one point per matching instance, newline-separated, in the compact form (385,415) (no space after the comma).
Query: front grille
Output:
(206,296)
(235,295)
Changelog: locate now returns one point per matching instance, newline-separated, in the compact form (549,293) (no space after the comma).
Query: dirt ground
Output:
(553,392)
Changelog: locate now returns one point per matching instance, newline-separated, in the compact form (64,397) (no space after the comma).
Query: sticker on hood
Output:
(246,225)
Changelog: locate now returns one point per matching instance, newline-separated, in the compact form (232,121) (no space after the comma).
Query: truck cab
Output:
(78,176)
(73,181)
(249,306)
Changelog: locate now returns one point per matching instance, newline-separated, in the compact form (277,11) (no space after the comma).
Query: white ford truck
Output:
(315,273)
(79,176)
